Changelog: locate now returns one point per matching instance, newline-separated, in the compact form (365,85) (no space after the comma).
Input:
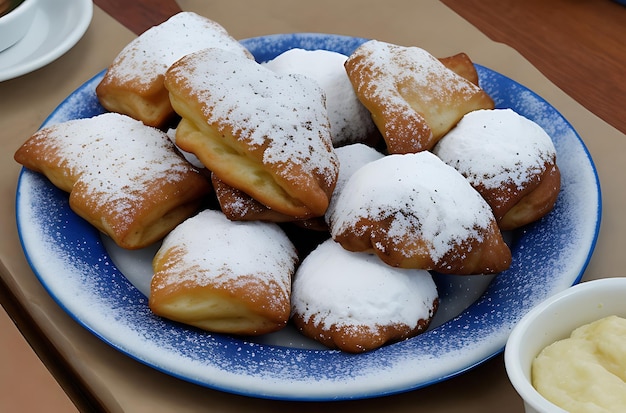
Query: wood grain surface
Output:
(580,45)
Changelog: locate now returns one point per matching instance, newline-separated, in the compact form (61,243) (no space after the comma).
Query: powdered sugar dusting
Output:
(107,156)
(212,247)
(423,196)
(335,287)
(148,56)
(389,73)
(349,120)
(285,115)
(351,158)
(518,148)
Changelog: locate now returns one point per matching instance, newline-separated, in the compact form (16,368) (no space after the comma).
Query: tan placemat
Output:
(125,385)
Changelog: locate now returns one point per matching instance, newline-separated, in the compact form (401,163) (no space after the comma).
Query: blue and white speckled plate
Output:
(85,274)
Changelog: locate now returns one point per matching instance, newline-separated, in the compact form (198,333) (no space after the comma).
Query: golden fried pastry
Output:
(133,83)
(509,159)
(413,97)
(265,134)
(350,121)
(124,177)
(414,211)
(224,276)
(239,206)
(355,302)
(462,65)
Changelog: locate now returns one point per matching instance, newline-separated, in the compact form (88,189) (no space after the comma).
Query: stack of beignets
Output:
(224,276)
(296,140)
(264,134)
(124,177)
(413,97)
(509,159)
(414,211)
(133,83)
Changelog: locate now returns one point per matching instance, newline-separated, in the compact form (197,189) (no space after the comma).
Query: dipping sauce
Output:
(587,371)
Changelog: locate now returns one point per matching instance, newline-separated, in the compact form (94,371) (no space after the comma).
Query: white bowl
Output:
(555,319)
(15,24)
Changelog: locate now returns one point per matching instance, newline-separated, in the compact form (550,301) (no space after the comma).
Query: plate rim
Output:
(495,350)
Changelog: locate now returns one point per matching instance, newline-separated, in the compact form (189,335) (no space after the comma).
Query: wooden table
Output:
(576,45)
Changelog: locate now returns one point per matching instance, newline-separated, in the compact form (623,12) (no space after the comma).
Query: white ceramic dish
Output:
(15,24)
(555,319)
(101,286)
(57,26)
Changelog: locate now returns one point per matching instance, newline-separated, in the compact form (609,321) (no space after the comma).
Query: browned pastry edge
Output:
(239,206)
(359,339)
(164,203)
(514,207)
(535,202)
(486,256)
(151,105)
(232,308)
(154,218)
(462,65)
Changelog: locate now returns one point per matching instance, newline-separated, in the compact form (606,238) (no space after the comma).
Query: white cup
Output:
(555,319)
(15,24)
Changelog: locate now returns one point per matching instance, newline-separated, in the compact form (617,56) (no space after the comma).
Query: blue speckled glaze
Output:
(69,258)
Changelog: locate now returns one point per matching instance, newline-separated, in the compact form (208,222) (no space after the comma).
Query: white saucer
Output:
(58,25)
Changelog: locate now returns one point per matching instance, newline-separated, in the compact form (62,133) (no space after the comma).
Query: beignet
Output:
(224,276)
(509,159)
(124,177)
(350,121)
(414,211)
(413,97)
(133,83)
(355,302)
(264,134)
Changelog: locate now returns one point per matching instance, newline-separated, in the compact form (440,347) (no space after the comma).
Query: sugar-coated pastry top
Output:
(335,287)
(147,57)
(274,125)
(351,158)
(492,147)
(422,196)
(284,113)
(413,97)
(409,64)
(350,121)
(210,249)
(124,177)
(111,157)
(224,276)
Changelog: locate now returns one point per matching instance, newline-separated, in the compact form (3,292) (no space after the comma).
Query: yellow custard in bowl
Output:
(585,372)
